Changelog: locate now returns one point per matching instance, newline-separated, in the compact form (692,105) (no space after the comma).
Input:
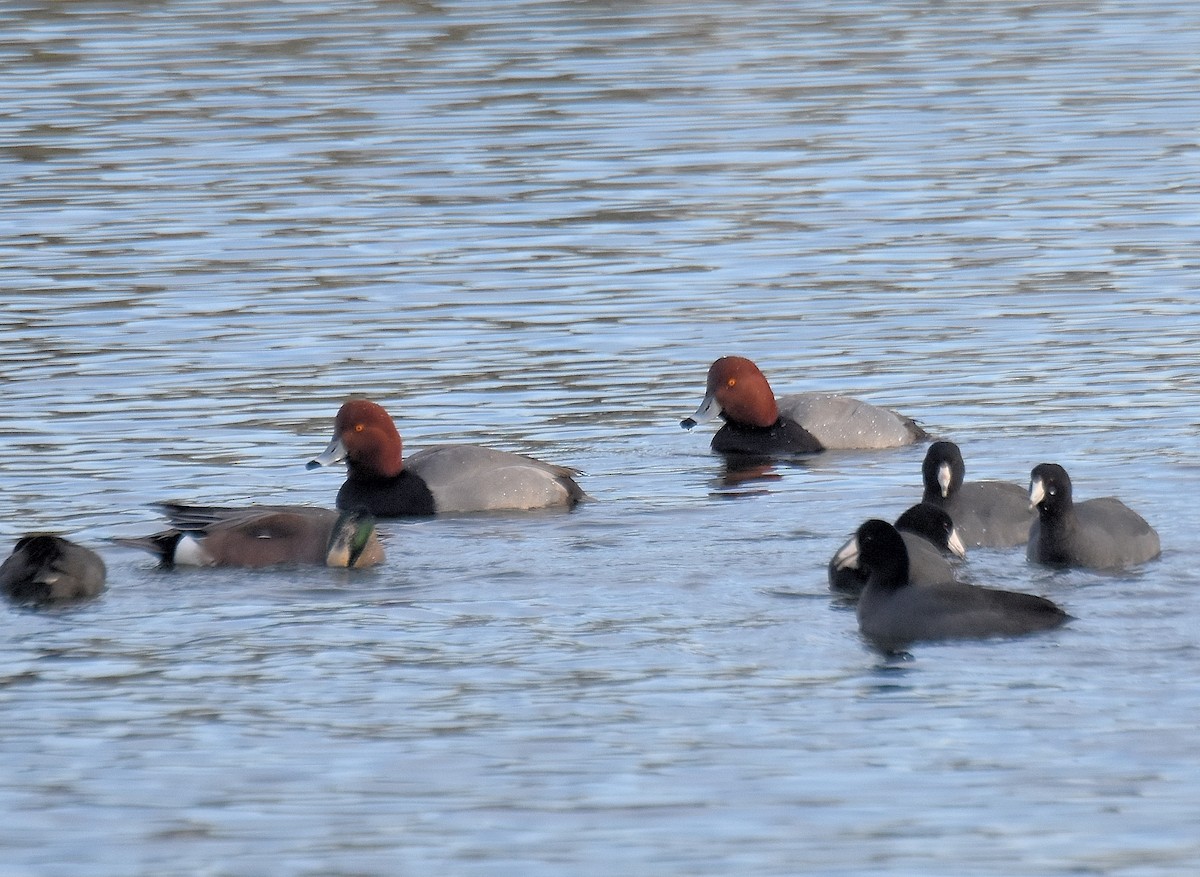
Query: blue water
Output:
(534,225)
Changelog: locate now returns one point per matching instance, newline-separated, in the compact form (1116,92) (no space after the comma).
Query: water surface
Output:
(533,225)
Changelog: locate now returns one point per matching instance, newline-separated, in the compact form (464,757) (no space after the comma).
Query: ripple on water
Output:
(534,226)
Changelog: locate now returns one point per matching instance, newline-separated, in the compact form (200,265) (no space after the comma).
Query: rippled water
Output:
(534,225)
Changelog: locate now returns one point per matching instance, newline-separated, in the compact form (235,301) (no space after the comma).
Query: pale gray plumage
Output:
(846,423)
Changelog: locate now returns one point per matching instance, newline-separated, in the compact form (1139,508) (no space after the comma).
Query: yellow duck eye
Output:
(731,382)
(358,427)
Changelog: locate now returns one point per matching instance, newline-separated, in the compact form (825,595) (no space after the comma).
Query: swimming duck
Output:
(444,479)
(259,536)
(757,423)
(44,568)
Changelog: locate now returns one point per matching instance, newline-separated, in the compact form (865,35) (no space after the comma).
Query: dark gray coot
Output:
(894,611)
(1101,533)
(987,514)
(930,537)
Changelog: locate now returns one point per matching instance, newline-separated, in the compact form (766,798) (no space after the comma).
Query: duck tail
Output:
(162,545)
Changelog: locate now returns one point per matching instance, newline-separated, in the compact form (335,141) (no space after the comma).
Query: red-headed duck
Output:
(929,535)
(43,568)
(987,514)
(258,536)
(1101,533)
(894,610)
(758,423)
(447,479)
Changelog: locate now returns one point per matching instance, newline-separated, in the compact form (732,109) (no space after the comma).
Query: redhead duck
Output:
(758,423)
(1101,533)
(987,514)
(258,536)
(43,568)
(446,479)
(929,535)
(894,610)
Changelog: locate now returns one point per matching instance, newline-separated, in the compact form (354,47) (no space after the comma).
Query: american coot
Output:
(928,534)
(44,567)
(894,611)
(757,423)
(441,480)
(1101,533)
(258,536)
(987,514)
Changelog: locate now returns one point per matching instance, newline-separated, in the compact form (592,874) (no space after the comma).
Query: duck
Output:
(894,611)
(262,535)
(1101,533)
(45,567)
(444,479)
(987,514)
(758,424)
(929,535)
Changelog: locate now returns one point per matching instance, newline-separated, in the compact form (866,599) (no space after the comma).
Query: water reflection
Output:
(744,468)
